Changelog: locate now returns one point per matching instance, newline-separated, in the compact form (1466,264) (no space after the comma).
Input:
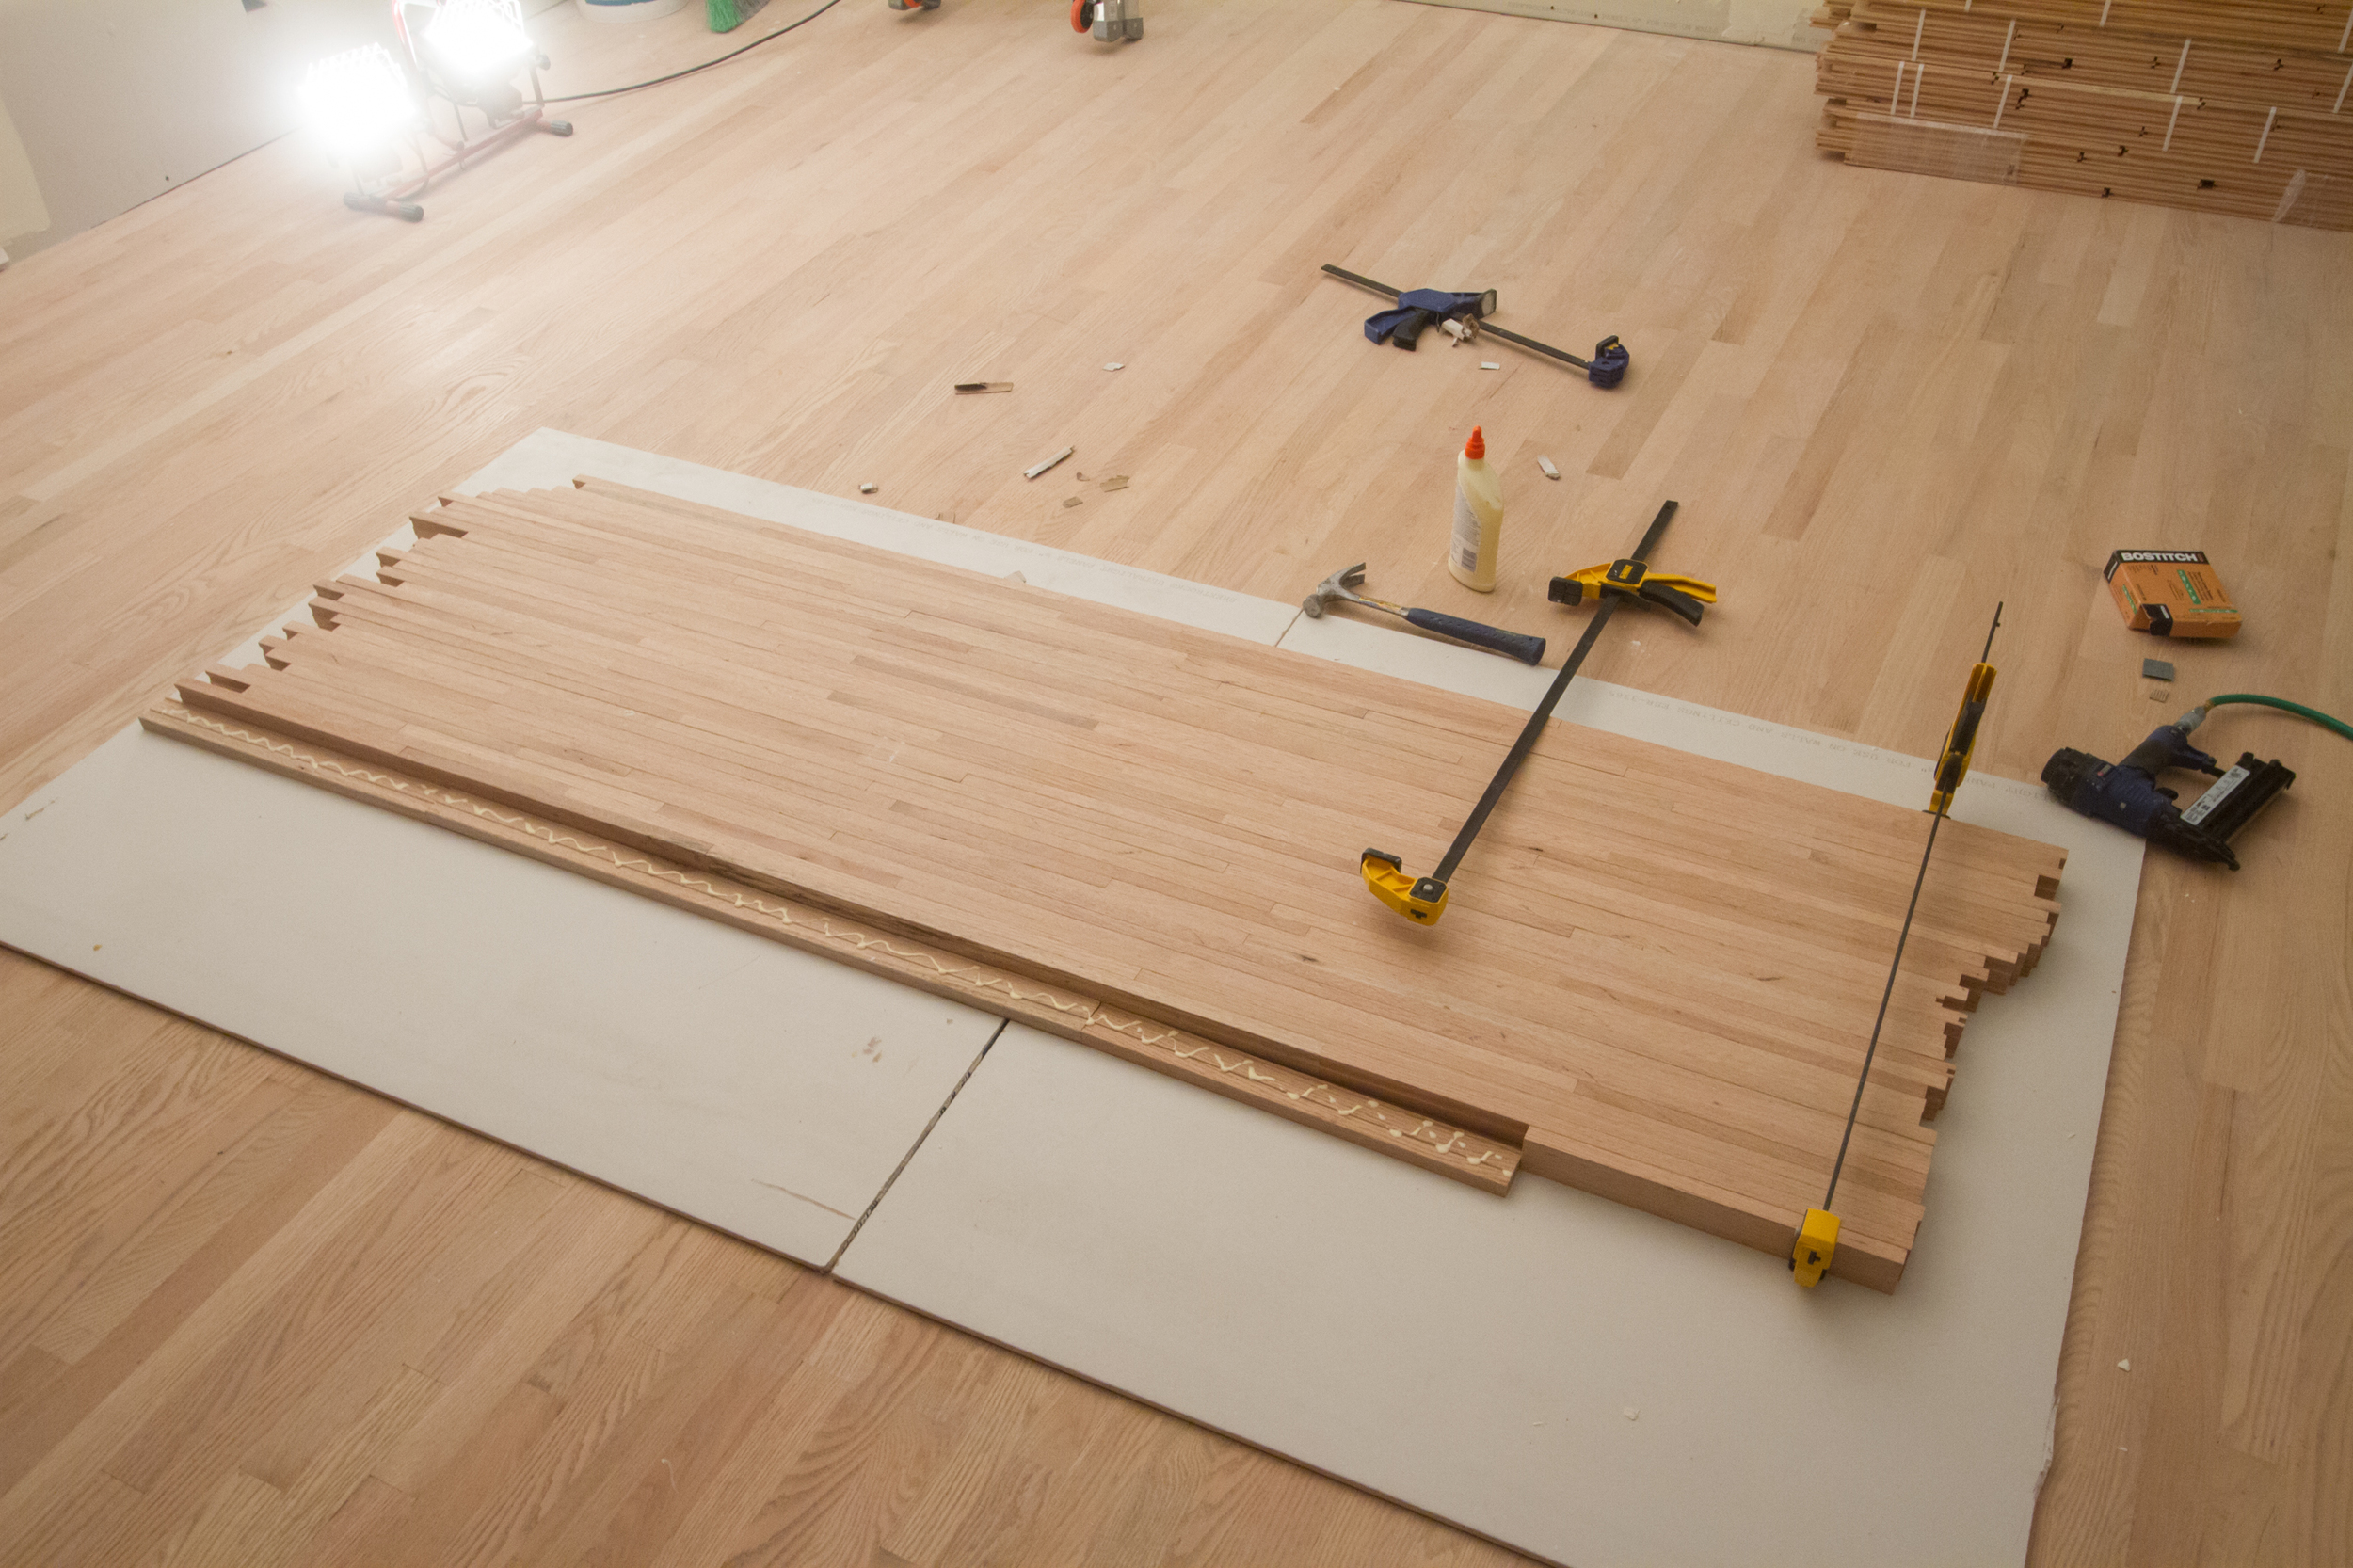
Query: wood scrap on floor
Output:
(1658,985)
(2234,107)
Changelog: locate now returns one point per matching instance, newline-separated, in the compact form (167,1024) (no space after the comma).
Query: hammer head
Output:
(1334,586)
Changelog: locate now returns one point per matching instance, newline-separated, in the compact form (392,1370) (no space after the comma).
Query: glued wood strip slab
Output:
(1656,978)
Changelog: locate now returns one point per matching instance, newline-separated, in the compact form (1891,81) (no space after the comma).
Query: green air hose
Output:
(2283,704)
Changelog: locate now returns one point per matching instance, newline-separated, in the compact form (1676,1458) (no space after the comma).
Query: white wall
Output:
(22,210)
(1780,23)
(113,102)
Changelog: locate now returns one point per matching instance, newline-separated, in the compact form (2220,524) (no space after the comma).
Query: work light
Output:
(478,40)
(357,102)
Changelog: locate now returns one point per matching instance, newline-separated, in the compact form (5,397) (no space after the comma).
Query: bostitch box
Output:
(2171,593)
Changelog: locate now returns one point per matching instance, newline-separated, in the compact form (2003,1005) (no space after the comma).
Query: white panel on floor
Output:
(1473,1356)
(1777,24)
(1774,748)
(1569,1376)
(764,1089)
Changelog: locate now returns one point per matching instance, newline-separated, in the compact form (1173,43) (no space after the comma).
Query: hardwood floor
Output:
(252,1313)
(255,1315)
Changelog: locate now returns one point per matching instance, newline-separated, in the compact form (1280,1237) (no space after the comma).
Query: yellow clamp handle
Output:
(1960,741)
(1590,583)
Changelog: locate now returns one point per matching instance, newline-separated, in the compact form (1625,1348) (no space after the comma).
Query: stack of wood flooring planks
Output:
(2238,107)
(1656,980)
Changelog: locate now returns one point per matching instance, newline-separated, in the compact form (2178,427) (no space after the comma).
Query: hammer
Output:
(1527,651)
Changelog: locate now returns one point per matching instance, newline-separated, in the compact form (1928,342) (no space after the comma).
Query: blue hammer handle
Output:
(1511,645)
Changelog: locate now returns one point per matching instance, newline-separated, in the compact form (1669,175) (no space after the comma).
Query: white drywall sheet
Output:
(1472,1356)
(1569,1376)
(1777,24)
(765,1090)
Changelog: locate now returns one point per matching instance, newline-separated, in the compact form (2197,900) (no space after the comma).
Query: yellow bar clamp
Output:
(1818,1238)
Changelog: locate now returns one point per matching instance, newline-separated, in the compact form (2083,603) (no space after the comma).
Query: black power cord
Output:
(657,81)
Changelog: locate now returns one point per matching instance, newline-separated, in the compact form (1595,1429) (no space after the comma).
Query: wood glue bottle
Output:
(1478,517)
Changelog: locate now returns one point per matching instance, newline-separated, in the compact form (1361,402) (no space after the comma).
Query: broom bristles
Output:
(723,16)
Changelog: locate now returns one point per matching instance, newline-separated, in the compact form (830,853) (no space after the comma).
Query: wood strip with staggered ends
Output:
(1450,1150)
(2231,108)
(1656,980)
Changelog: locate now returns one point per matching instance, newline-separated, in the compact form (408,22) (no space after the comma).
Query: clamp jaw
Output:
(1631,579)
(1607,368)
(1421,900)
(1818,1243)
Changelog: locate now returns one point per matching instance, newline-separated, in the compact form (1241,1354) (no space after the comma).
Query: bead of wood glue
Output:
(1478,517)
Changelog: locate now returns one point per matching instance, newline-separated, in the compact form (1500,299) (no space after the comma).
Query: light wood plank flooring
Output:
(250,1313)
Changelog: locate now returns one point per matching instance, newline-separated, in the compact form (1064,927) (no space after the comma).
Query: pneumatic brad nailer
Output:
(2128,794)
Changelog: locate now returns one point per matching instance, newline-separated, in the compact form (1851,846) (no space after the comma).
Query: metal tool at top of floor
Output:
(1417,308)
(1110,21)
(1422,900)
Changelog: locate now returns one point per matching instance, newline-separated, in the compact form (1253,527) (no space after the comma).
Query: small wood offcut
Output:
(1658,976)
